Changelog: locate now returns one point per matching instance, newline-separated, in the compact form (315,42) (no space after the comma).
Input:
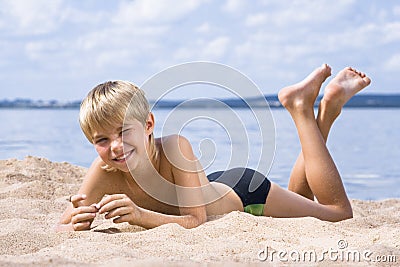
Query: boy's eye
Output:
(100,140)
(125,131)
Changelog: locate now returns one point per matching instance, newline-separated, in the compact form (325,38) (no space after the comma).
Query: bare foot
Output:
(346,84)
(304,93)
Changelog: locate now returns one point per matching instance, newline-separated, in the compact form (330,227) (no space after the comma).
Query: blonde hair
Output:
(110,103)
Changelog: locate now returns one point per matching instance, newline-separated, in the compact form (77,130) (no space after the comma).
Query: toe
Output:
(367,80)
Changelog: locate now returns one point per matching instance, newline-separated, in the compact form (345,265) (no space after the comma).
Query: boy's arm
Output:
(77,216)
(186,170)
(123,209)
(150,219)
(79,213)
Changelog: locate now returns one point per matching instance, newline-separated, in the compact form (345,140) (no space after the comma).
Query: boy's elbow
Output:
(348,214)
(345,214)
(196,221)
(202,219)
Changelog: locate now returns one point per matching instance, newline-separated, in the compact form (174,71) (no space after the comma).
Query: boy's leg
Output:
(298,180)
(322,175)
(335,96)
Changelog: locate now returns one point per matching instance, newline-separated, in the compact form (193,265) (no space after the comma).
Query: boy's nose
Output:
(116,144)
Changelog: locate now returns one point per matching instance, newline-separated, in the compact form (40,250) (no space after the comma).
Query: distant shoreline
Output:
(358,101)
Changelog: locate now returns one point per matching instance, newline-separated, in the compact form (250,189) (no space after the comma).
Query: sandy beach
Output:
(34,191)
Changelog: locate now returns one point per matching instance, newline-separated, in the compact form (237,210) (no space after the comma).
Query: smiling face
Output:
(113,110)
(124,147)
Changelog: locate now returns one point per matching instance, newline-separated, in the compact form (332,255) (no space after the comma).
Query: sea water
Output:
(365,143)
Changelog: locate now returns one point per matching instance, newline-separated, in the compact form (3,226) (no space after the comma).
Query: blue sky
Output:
(60,49)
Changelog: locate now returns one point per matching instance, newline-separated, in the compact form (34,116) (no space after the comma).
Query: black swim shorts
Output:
(251,186)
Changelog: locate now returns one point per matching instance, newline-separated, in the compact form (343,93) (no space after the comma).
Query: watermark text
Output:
(341,253)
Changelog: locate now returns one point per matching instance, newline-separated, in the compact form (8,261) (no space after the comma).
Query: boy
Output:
(150,182)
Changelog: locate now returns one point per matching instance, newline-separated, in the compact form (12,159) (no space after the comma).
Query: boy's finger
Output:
(75,199)
(108,199)
(96,206)
(83,217)
(83,209)
(81,226)
(112,205)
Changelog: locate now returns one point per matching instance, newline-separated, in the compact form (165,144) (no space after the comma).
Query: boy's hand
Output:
(81,216)
(120,206)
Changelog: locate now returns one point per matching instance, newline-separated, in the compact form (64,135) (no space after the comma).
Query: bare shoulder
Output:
(98,170)
(175,143)
(178,152)
(173,138)
(98,180)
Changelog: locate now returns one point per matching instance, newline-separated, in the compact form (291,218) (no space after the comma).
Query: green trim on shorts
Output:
(255,209)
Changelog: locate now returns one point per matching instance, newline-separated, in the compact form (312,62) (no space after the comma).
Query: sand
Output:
(33,195)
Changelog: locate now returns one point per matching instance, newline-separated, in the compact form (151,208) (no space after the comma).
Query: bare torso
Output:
(119,182)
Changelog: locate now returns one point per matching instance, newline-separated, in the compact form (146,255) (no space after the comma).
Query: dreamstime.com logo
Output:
(341,253)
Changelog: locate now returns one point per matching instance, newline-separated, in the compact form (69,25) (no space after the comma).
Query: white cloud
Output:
(216,48)
(390,32)
(36,50)
(114,37)
(396,10)
(84,17)
(364,36)
(138,30)
(120,46)
(256,19)
(201,49)
(31,17)
(393,63)
(153,11)
(304,11)
(234,6)
(204,28)
(182,54)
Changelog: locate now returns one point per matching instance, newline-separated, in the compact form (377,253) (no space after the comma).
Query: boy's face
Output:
(124,145)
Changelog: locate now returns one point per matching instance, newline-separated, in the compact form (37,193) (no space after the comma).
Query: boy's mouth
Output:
(123,157)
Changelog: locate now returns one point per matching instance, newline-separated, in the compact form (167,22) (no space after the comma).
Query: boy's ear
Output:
(149,126)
